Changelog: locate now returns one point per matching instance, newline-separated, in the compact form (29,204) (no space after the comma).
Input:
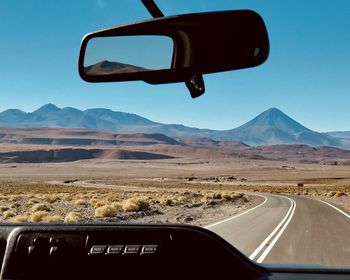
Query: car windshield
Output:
(262,158)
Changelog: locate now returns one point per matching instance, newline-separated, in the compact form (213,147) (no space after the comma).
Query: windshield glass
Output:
(262,158)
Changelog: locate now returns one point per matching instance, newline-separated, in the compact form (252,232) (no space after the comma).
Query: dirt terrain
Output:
(195,181)
(69,203)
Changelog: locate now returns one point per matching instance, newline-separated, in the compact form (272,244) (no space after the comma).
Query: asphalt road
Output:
(290,229)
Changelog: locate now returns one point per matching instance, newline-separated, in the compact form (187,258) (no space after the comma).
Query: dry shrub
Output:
(20,219)
(182,199)
(29,203)
(93,201)
(136,204)
(53,219)
(52,198)
(231,195)
(105,211)
(38,216)
(14,197)
(168,201)
(68,197)
(212,195)
(79,201)
(97,203)
(112,197)
(4,208)
(339,194)
(33,201)
(8,214)
(72,217)
(331,193)
(217,195)
(40,207)
(117,205)
(196,203)
(208,195)
(15,205)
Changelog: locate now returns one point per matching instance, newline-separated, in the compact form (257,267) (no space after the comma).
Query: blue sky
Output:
(307,74)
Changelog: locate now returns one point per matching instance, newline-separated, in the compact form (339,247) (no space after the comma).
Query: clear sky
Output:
(307,74)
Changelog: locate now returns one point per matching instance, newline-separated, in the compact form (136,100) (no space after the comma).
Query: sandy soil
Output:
(100,203)
(343,202)
(170,178)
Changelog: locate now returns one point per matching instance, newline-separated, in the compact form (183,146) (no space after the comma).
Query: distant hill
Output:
(51,116)
(34,145)
(110,67)
(274,127)
(80,137)
(342,136)
(66,155)
(269,128)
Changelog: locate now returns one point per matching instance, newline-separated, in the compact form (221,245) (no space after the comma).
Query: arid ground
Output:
(151,178)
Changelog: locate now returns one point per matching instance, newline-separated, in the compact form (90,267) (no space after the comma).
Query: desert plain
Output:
(92,176)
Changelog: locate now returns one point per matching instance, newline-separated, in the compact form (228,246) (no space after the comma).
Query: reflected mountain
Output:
(106,67)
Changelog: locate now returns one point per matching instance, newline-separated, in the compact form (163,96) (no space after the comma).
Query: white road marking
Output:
(268,249)
(279,228)
(243,213)
(341,211)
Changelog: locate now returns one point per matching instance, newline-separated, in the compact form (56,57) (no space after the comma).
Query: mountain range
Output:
(269,128)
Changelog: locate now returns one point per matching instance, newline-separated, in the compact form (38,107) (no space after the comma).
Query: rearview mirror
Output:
(174,49)
(127,54)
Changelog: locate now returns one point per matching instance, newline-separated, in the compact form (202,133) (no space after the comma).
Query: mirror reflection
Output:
(127,54)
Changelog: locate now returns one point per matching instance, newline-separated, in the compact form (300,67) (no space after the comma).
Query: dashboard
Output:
(124,251)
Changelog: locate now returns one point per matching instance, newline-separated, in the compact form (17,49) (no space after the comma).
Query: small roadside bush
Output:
(105,211)
(72,217)
(136,204)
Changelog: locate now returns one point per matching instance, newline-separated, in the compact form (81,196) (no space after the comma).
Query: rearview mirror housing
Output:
(175,47)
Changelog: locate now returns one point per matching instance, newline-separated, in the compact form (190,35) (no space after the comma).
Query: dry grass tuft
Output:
(53,219)
(331,193)
(29,203)
(97,203)
(72,217)
(136,204)
(40,207)
(8,214)
(168,201)
(105,211)
(16,205)
(4,208)
(20,219)
(112,197)
(38,216)
(52,198)
(79,201)
(339,194)
(117,205)
(232,195)
(212,195)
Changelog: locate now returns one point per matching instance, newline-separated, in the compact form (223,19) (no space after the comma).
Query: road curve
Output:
(290,229)
(317,234)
